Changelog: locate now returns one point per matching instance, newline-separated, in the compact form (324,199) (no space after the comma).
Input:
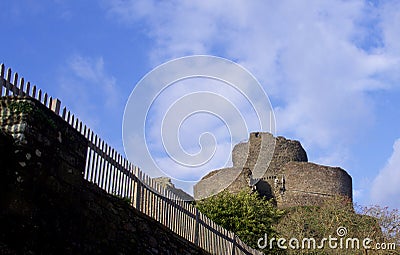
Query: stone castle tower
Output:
(283,171)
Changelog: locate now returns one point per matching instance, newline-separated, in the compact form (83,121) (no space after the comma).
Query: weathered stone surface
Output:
(308,183)
(217,180)
(167,184)
(46,205)
(36,131)
(262,156)
(286,151)
(277,168)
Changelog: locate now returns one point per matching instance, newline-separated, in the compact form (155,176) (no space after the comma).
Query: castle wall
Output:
(308,183)
(239,154)
(272,159)
(264,153)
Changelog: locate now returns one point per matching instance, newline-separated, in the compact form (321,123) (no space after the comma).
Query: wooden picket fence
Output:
(113,173)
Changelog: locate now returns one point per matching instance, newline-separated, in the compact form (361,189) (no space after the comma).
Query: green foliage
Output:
(323,221)
(246,214)
(125,199)
(250,217)
(23,107)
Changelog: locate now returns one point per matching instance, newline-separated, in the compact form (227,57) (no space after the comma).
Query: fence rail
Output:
(113,173)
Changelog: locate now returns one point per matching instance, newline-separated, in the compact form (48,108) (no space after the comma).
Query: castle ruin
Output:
(287,176)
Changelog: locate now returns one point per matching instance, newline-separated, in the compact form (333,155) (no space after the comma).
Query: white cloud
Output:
(87,88)
(307,56)
(192,121)
(358,193)
(339,157)
(390,25)
(92,72)
(385,187)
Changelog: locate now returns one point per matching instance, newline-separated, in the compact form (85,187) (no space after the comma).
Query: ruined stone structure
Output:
(278,168)
(167,184)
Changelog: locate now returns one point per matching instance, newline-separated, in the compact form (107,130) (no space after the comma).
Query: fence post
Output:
(55,105)
(14,85)
(138,194)
(196,228)
(2,81)
(234,244)
(8,82)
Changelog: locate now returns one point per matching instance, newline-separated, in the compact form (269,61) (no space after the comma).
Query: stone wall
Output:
(261,157)
(281,167)
(309,183)
(246,156)
(43,140)
(166,183)
(46,205)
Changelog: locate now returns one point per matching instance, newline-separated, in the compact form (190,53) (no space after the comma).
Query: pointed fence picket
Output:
(112,172)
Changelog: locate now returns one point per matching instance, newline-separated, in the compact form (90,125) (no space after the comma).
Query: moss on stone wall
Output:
(28,108)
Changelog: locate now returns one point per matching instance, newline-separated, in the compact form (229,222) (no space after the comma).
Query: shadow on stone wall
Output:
(46,205)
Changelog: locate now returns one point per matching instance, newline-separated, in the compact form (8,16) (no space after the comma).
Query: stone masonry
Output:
(277,168)
(47,207)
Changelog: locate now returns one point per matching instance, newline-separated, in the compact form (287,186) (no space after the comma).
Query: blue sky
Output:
(330,68)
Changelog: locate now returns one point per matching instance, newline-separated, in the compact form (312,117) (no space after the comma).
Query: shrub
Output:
(246,214)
